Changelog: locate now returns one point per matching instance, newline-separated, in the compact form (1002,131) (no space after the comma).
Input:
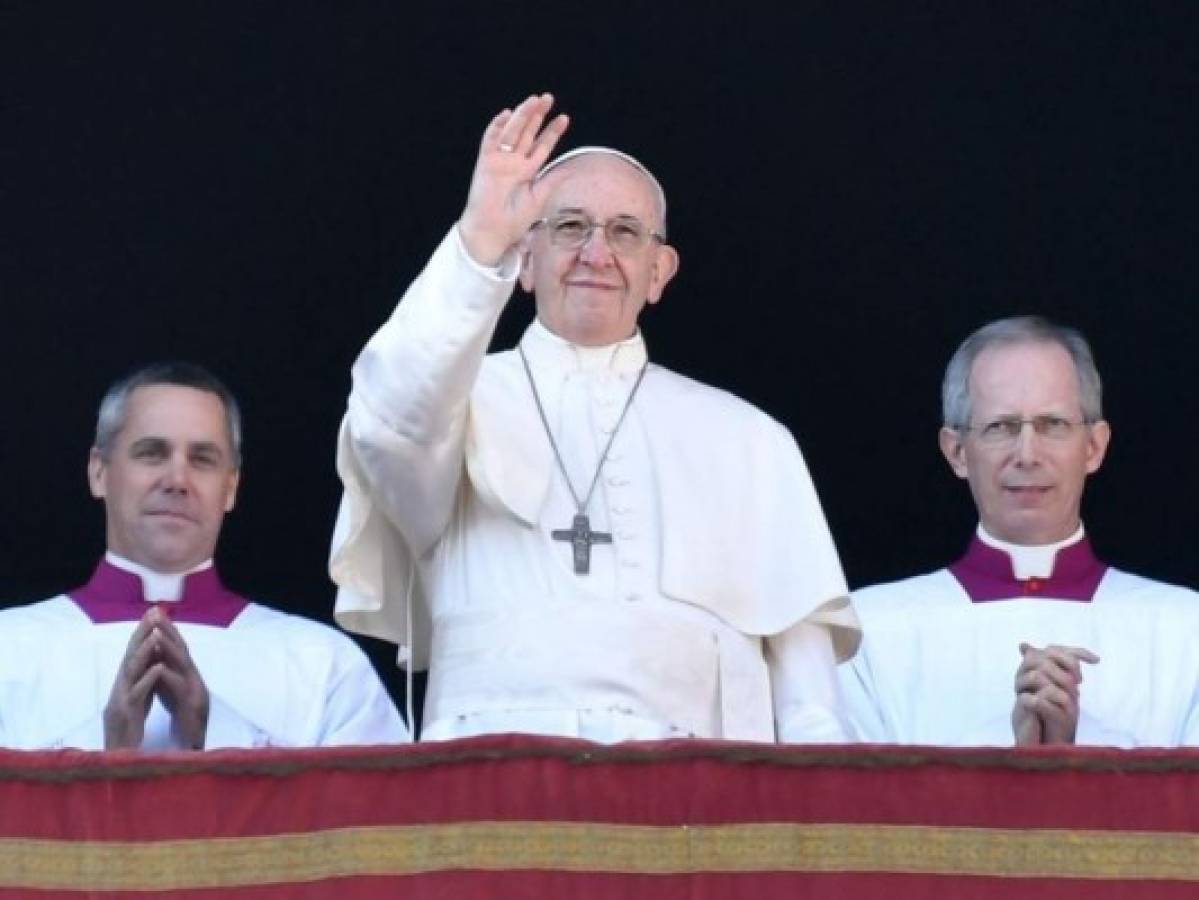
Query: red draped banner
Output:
(515,817)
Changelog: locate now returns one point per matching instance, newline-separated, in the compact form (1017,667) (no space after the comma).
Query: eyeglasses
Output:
(625,234)
(1006,429)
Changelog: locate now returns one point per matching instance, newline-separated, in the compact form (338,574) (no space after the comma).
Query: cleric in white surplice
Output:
(590,545)
(154,652)
(1029,638)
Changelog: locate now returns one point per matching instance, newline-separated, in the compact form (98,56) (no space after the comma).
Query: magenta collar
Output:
(114,595)
(986,574)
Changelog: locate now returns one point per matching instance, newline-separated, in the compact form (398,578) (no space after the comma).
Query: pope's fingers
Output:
(521,129)
(491,134)
(503,134)
(530,126)
(547,139)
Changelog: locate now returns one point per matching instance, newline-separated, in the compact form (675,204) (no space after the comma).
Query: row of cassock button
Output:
(630,572)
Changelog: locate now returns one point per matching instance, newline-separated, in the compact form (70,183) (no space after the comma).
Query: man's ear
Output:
(953,447)
(1099,436)
(666,266)
(97,472)
(525,247)
(231,490)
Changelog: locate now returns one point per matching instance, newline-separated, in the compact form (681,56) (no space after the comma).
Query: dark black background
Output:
(854,187)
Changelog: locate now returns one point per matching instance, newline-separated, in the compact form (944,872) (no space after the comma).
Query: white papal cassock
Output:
(273,679)
(939,653)
(708,615)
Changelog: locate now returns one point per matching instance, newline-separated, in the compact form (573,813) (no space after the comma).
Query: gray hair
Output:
(955,390)
(114,408)
(659,194)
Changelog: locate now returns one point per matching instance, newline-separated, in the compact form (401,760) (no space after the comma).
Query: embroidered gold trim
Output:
(586,847)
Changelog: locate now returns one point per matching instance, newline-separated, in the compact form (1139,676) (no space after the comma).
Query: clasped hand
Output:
(1047,694)
(156,664)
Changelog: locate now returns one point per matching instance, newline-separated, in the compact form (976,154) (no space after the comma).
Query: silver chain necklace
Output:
(579,534)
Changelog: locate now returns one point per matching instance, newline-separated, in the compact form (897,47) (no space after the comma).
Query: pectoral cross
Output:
(581,538)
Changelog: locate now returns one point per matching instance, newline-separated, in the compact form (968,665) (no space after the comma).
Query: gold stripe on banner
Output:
(589,847)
